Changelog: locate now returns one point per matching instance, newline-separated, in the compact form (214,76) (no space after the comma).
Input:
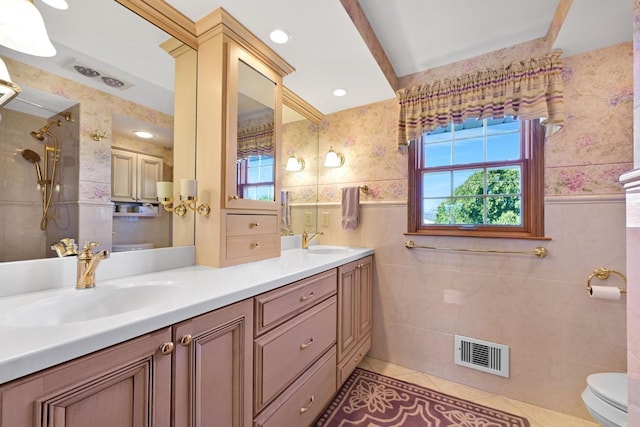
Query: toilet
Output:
(606,398)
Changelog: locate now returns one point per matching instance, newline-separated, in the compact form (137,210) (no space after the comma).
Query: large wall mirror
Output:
(300,166)
(56,138)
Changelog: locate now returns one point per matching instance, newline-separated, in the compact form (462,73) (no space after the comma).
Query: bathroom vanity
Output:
(266,343)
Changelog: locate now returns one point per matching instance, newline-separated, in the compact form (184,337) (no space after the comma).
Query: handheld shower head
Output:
(33,157)
(39,135)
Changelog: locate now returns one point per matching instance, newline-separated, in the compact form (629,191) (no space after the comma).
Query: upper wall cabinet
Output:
(239,126)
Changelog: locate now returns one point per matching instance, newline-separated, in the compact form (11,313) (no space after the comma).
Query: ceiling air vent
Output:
(482,355)
(94,73)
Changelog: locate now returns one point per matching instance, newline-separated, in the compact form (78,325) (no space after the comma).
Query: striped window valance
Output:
(255,140)
(530,89)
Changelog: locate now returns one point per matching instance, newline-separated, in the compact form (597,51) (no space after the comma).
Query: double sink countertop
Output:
(45,328)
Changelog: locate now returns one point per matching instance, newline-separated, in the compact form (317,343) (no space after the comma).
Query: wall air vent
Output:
(482,355)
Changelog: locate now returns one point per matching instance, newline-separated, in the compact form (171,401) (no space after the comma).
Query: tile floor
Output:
(537,416)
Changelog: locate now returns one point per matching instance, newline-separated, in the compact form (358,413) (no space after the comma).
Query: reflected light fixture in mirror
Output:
(22,29)
(57,4)
(333,159)
(294,164)
(8,89)
(143,134)
(188,197)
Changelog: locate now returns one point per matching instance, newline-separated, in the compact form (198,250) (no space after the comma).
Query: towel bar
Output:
(539,251)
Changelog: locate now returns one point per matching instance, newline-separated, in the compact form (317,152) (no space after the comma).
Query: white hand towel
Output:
(350,207)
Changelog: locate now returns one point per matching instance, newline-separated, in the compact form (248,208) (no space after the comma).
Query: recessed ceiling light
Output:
(143,134)
(340,92)
(279,36)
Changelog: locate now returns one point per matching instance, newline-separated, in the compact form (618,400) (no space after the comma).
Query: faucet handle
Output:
(87,249)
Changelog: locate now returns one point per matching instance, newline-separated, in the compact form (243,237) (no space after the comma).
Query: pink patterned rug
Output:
(368,399)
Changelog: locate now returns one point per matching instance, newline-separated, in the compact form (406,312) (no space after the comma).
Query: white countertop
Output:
(30,348)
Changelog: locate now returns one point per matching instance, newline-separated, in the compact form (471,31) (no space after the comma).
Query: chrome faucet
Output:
(306,239)
(87,264)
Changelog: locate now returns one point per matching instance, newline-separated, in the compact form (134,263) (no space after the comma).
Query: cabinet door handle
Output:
(305,345)
(167,348)
(234,197)
(185,340)
(306,408)
(359,266)
(306,297)
(254,224)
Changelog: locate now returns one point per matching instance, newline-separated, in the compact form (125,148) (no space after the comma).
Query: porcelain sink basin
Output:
(326,249)
(91,304)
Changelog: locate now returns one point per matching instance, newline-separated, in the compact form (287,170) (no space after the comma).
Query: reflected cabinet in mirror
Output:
(254,93)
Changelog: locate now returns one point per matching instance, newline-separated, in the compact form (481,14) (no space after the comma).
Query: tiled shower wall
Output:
(539,307)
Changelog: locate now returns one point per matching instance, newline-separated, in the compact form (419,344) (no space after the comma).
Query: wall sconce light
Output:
(188,197)
(294,164)
(22,29)
(8,89)
(333,159)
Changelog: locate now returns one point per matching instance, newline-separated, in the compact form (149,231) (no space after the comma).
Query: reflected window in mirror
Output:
(255,177)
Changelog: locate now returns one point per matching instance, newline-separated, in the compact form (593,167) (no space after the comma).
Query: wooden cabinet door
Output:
(354,303)
(347,308)
(127,385)
(213,371)
(365,288)
(149,173)
(123,176)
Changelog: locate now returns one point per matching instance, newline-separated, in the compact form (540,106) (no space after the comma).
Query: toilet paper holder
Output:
(603,274)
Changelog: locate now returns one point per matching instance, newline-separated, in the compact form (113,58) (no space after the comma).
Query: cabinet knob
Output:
(234,197)
(358,358)
(256,245)
(305,345)
(306,297)
(254,224)
(306,408)
(185,340)
(167,348)
(359,266)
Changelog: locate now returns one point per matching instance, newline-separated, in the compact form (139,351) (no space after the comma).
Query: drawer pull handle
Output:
(256,245)
(166,348)
(306,408)
(306,297)
(358,358)
(185,340)
(303,345)
(254,224)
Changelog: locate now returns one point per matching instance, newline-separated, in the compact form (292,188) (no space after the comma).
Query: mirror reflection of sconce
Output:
(188,197)
(295,164)
(333,159)
(98,136)
(8,89)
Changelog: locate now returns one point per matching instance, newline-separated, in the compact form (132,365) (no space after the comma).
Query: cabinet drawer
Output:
(301,403)
(258,246)
(248,225)
(346,367)
(276,307)
(285,352)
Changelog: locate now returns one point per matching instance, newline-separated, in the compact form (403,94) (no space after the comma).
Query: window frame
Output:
(532,213)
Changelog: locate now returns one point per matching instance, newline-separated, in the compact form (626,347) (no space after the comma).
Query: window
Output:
(255,177)
(481,178)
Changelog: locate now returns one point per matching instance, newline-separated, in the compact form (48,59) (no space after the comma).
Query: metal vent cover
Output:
(482,355)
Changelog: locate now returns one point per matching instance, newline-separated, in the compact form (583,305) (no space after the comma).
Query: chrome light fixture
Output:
(333,159)
(8,89)
(294,164)
(22,29)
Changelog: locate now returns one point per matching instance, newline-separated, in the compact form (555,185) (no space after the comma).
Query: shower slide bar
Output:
(539,251)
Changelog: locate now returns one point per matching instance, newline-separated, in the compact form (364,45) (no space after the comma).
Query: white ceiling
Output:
(326,49)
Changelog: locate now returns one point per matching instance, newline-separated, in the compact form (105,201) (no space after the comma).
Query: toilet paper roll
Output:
(604,292)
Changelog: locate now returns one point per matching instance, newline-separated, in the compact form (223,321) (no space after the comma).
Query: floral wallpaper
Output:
(586,157)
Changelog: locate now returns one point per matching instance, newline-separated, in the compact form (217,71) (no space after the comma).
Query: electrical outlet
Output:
(308,219)
(326,219)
